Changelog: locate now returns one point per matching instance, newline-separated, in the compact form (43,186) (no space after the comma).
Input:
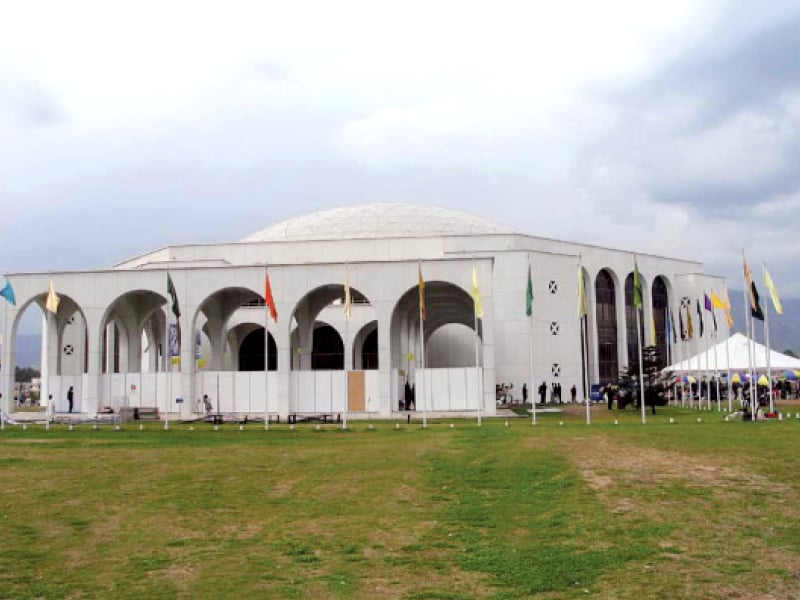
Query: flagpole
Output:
(266,351)
(748,318)
(167,360)
(530,347)
(682,372)
(708,367)
(766,342)
(727,343)
(346,352)
(422,369)
(671,350)
(6,366)
(477,358)
(728,365)
(641,369)
(716,373)
(582,318)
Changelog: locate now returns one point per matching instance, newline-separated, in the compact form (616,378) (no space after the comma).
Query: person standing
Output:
(573,392)
(524,393)
(70,398)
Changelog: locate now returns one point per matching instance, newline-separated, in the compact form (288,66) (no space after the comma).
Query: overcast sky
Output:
(663,127)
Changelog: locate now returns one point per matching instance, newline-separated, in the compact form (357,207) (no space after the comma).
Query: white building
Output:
(107,338)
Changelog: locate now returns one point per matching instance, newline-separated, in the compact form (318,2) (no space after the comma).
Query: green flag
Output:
(529,295)
(637,286)
(174,295)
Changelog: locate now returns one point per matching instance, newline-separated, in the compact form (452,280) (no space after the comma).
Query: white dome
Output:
(377,221)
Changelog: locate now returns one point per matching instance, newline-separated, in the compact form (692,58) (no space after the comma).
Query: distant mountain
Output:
(784,330)
(28,350)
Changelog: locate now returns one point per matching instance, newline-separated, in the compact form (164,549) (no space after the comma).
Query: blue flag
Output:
(8,293)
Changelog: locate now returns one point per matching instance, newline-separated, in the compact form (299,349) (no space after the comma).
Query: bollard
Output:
(409,419)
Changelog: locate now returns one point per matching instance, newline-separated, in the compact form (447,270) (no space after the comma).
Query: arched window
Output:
(660,304)
(251,352)
(328,351)
(608,361)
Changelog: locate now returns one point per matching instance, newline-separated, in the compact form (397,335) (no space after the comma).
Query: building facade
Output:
(110,338)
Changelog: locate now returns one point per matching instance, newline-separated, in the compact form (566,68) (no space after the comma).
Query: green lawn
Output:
(683,510)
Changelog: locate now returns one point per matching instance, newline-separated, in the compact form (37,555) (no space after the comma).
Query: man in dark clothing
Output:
(573,392)
(70,398)
(542,393)
(524,393)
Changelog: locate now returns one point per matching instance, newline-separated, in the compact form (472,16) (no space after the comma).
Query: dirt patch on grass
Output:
(719,521)
(604,462)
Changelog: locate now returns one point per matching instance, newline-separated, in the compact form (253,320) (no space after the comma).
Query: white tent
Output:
(737,353)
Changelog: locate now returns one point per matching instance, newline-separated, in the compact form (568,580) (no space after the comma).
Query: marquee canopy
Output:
(739,360)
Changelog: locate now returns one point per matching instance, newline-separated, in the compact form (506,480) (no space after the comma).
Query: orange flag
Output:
(273,312)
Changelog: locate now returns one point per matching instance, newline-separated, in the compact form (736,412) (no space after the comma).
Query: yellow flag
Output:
(582,308)
(476,295)
(776,301)
(727,308)
(52,300)
(423,309)
(717,301)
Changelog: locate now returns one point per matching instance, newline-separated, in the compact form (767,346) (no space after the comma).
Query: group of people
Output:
(555,393)
(504,395)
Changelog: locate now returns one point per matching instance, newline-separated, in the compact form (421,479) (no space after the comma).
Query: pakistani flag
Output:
(529,295)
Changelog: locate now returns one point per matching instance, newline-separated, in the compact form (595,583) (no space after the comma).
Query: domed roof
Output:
(368,221)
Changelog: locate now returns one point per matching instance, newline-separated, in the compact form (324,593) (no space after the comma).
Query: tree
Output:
(25,374)
(655,383)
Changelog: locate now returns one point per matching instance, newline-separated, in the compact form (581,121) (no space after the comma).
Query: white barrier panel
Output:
(338,391)
(305,392)
(474,394)
(238,392)
(152,390)
(323,391)
(59,385)
(439,386)
(454,389)
(241,392)
(371,390)
(319,391)
(458,389)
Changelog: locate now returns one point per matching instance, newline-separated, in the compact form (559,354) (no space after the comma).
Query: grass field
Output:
(683,510)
